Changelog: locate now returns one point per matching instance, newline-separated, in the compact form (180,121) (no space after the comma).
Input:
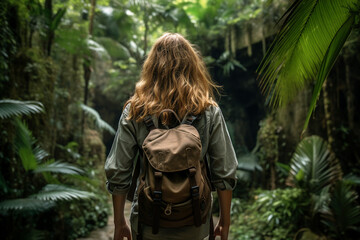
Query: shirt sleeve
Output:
(120,161)
(223,162)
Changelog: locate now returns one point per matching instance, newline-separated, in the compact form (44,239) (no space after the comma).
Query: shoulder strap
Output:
(130,195)
(149,123)
(189,119)
(131,192)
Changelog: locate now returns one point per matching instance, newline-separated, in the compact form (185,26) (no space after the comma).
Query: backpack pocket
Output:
(171,215)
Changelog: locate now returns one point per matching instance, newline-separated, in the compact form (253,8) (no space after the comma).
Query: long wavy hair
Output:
(175,77)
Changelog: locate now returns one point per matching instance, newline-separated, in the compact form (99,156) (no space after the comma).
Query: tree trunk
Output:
(87,64)
(350,95)
(50,33)
(327,111)
(92,14)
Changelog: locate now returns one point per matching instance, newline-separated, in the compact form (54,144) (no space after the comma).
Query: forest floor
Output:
(107,233)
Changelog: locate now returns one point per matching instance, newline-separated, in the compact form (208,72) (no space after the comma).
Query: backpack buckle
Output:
(195,191)
(157,195)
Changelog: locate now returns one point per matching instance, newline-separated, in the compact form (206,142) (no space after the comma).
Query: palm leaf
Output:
(298,50)
(328,62)
(23,144)
(25,204)
(59,167)
(11,108)
(96,117)
(57,192)
(344,208)
(312,166)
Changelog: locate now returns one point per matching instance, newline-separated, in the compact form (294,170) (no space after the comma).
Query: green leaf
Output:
(11,108)
(56,20)
(59,167)
(295,56)
(57,192)
(300,175)
(313,167)
(345,210)
(329,59)
(27,158)
(25,204)
(96,117)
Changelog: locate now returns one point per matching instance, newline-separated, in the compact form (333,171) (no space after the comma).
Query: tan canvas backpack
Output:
(174,189)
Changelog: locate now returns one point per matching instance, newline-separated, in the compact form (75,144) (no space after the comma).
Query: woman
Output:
(173,77)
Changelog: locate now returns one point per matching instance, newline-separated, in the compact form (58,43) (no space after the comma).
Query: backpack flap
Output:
(173,150)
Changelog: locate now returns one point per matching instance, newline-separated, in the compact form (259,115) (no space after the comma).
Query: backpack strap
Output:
(157,196)
(195,194)
(136,173)
(149,123)
(189,119)
(130,195)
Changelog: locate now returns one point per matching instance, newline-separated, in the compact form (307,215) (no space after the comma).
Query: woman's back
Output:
(173,77)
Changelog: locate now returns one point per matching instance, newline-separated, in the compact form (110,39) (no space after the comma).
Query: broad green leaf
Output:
(27,158)
(295,56)
(329,59)
(57,19)
(23,144)
(313,167)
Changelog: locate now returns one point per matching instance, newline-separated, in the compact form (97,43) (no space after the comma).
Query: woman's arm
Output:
(222,227)
(122,229)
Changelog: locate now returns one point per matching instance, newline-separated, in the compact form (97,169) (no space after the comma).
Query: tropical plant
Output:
(333,203)
(306,47)
(29,201)
(273,214)
(312,166)
(11,108)
(31,157)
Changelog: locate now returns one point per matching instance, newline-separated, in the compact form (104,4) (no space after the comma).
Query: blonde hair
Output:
(175,77)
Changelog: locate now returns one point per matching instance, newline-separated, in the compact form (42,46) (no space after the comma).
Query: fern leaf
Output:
(11,108)
(25,204)
(59,167)
(57,192)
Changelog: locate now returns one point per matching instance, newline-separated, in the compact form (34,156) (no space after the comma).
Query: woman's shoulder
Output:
(212,111)
(126,110)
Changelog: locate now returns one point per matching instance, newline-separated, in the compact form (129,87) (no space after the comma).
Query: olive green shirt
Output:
(216,143)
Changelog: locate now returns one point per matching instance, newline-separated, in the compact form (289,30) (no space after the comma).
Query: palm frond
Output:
(59,167)
(96,117)
(57,192)
(298,50)
(312,166)
(25,204)
(328,62)
(11,108)
(39,153)
(23,144)
(344,208)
